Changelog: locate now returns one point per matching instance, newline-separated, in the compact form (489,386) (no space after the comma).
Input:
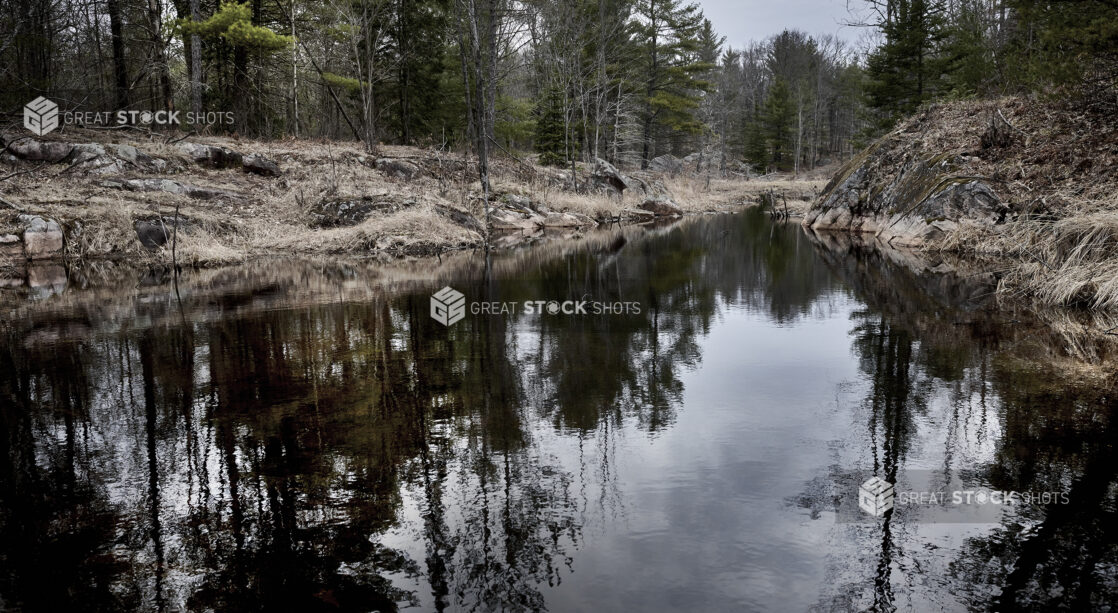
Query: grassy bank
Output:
(416,201)
(1053,232)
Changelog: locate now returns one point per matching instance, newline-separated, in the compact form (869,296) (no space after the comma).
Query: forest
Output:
(569,80)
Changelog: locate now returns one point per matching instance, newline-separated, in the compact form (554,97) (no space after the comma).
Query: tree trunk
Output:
(196,62)
(159,55)
(120,69)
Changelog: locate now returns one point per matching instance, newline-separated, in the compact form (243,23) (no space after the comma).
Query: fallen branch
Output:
(11,204)
(184,137)
(18,173)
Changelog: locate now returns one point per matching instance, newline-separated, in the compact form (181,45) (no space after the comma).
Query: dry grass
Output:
(1069,261)
(271,216)
(1055,174)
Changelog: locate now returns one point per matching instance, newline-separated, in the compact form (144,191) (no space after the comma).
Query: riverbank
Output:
(83,195)
(1027,183)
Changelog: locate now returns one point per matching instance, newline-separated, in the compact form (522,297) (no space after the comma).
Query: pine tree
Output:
(550,141)
(418,39)
(667,35)
(903,71)
(1073,42)
(780,123)
(756,146)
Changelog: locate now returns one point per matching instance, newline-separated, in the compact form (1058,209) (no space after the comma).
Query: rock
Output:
(661,206)
(260,165)
(606,176)
(461,218)
(502,219)
(352,211)
(638,215)
(401,169)
(171,187)
(666,163)
(42,238)
(704,161)
(212,155)
(94,158)
(11,246)
(562,220)
(38,151)
(91,157)
(516,201)
(919,203)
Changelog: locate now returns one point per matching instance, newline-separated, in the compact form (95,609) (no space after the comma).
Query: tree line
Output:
(570,80)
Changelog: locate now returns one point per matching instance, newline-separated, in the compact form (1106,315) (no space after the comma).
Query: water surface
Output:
(251,444)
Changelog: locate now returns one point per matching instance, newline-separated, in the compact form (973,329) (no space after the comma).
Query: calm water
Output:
(243,445)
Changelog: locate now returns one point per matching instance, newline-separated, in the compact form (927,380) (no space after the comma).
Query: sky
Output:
(743,20)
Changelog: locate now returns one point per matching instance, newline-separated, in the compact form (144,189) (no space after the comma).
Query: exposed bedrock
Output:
(904,198)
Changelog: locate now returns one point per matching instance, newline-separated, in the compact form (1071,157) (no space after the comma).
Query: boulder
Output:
(11,246)
(461,218)
(562,220)
(38,151)
(171,187)
(91,157)
(606,176)
(42,238)
(211,155)
(919,202)
(260,165)
(347,212)
(400,169)
(637,215)
(662,206)
(518,202)
(666,163)
(505,220)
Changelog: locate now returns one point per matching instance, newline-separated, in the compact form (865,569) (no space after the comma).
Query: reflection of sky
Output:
(714,511)
(704,513)
(710,522)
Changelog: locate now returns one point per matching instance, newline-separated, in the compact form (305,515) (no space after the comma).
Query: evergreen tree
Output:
(667,35)
(780,123)
(550,141)
(419,39)
(904,69)
(1073,43)
(756,145)
(968,51)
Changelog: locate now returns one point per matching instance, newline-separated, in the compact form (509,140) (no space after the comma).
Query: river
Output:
(690,435)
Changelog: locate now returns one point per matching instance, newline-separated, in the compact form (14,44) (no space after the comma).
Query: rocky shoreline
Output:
(221,202)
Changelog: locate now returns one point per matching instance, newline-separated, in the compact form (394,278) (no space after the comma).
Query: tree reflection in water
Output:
(361,456)
(935,351)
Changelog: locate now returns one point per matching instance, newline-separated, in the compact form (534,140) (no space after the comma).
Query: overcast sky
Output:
(743,20)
